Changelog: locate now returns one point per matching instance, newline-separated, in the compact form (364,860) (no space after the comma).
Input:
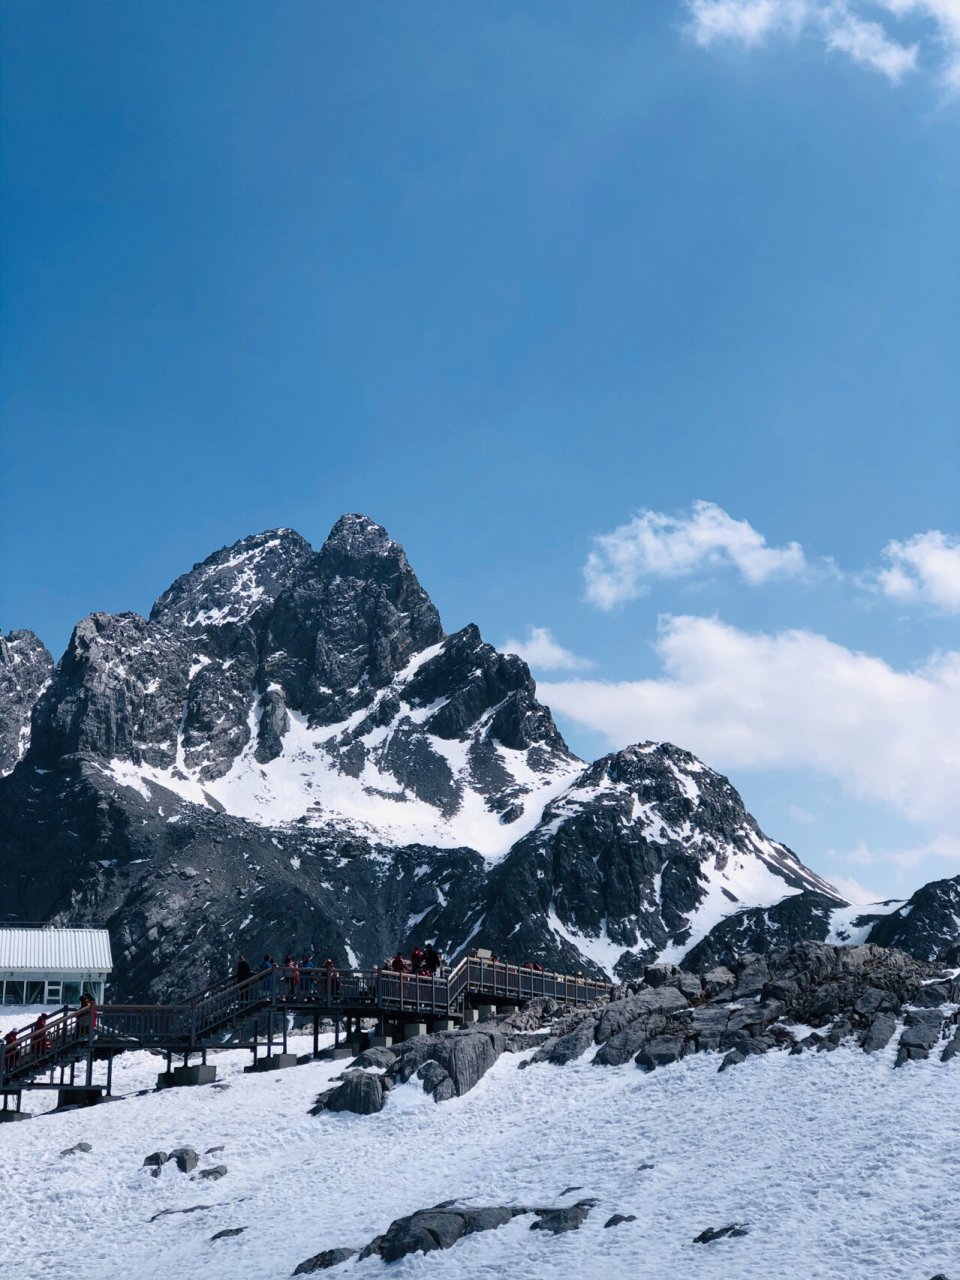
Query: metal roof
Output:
(52,950)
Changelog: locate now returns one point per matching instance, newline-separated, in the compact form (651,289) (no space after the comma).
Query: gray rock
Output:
(227,1232)
(213,1174)
(376,1057)
(360,1093)
(81,1147)
(719,1233)
(618,1218)
(659,1051)
(718,980)
(155,1160)
(733,1059)
(324,1260)
(880,1032)
(557,1221)
(953,1048)
(186,1159)
(920,1035)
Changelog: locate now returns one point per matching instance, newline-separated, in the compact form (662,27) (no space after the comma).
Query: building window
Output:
(35,991)
(13,992)
(53,992)
(71,993)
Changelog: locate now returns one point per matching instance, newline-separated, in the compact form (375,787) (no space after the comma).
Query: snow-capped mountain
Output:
(292,753)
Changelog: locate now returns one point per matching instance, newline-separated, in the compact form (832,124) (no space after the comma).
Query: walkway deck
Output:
(201,1023)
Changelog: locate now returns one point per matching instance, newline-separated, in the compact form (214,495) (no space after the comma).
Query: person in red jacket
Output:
(416,960)
(398,964)
(10,1051)
(40,1042)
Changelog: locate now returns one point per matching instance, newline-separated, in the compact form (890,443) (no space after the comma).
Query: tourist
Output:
(243,971)
(432,961)
(416,960)
(40,1042)
(398,964)
(11,1052)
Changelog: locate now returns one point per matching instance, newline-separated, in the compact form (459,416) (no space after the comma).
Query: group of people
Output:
(423,961)
(303,976)
(40,1042)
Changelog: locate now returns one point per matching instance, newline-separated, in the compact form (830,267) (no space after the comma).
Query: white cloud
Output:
(655,545)
(791,700)
(893,37)
(854,891)
(944,847)
(924,568)
(540,650)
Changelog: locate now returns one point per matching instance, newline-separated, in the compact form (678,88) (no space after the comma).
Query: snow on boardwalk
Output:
(841,1166)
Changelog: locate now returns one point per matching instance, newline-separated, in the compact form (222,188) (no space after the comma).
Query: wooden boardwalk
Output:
(204,1022)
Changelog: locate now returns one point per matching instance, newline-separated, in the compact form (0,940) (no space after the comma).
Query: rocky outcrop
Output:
(863,994)
(25,670)
(430,1230)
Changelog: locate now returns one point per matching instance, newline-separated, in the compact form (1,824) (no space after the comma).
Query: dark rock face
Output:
(294,724)
(360,1092)
(25,669)
(926,924)
(801,917)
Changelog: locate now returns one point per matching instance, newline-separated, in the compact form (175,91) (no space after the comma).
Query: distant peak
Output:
(358,534)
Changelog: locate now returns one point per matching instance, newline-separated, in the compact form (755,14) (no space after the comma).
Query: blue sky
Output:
(506,277)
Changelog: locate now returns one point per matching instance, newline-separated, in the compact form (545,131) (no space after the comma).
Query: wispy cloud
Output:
(893,37)
(793,699)
(654,545)
(540,651)
(924,568)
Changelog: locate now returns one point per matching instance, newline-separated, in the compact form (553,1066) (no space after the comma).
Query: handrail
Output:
(188,1024)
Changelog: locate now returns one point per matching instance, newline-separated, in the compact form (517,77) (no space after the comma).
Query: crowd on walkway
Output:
(303,976)
(41,1041)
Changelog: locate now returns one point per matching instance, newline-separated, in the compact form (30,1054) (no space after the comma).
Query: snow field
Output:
(840,1166)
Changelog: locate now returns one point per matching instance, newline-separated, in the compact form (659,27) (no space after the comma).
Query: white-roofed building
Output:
(43,964)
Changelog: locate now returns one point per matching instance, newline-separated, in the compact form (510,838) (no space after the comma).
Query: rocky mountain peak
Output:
(352,617)
(233,584)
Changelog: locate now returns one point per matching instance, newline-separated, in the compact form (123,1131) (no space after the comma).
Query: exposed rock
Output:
(322,1261)
(569,1218)
(214,1173)
(79,1147)
(194,1208)
(185,1158)
(464,1056)
(720,1233)
(618,1218)
(25,669)
(425,1231)
(359,1092)
(227,1232)
(155,1160)
(920,1035)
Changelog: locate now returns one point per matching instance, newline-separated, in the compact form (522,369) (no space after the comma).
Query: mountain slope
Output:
(290,753)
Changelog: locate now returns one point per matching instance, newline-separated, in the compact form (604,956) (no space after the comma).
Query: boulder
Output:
(719,1233)
(213,1174)
(659,1051)
(227,1232)
(360,1092)
(717,980)
(186,1159)
(557,1221)
(879,1033)
(84,1146)
(322,1261)
(619,1218)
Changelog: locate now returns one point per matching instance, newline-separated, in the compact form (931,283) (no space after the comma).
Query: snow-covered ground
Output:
(840,1166)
